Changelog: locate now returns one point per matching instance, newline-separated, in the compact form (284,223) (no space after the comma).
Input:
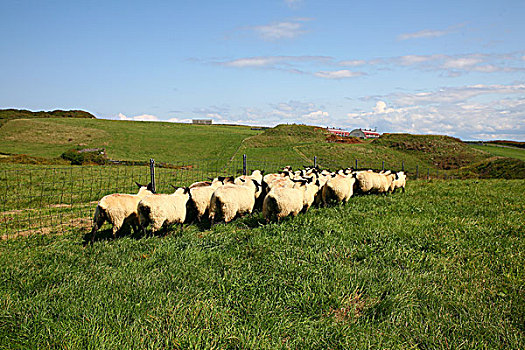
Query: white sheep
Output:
(201,198)
(229,201)
(256,175)
(400,181)
(163,210)
(339,188)
(281,202)
(312,187)
(370,182)
(119,209)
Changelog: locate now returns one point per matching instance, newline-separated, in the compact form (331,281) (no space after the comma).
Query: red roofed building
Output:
(365,133)
(338,132)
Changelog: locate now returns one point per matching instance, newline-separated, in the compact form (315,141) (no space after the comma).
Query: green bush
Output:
(78,158)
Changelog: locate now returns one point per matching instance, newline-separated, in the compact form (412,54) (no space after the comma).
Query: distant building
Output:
(338,132)
(201,121)
(365,133)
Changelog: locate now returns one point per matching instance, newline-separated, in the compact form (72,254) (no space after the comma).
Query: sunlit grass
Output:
(440,266)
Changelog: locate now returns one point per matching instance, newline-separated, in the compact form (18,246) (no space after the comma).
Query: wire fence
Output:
(56,199)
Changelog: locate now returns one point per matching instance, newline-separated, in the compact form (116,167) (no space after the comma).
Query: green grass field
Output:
(441,266)
(123,140)
(172,143)
(502,151)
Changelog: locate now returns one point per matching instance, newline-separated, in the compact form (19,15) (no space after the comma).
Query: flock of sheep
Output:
(278,195)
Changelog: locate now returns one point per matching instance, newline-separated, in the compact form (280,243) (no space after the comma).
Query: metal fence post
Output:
(152,173)
(244,164)
(428,173)
(315,161)
(417,171)
(383,166)
(403,165)
(356,163)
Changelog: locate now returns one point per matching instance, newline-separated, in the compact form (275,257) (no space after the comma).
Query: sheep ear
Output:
(139,185)
(317,183)
(150,187)
(186,190)
(174,187)
(262,172)
(257,185)
(243,180)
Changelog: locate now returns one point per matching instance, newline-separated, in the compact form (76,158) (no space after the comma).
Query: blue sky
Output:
(444,67)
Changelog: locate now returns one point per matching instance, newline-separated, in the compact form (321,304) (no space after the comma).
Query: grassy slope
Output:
(11,114)
(442,152)
(166,142)
(286,144)
(296,144)
(510,152)
(443,268)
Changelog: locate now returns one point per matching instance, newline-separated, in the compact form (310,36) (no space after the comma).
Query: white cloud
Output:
(452,111)
(293,3)
(317,117)
(298,112)
(352,63)
(274,61)
(288,29)
(426,33)
(142,117)
(338,74)
(461,62)
(448,65)
(429,33)
(177,120)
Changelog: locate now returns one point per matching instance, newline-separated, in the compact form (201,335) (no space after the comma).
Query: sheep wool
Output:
(400,181)
(370,182)
(281,202)
(228,201)
(201,198)
(338,189)
(119,209)
(163,210)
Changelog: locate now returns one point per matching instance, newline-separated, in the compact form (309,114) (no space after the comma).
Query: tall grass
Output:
(440,266)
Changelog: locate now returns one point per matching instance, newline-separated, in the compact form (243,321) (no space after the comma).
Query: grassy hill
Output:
(501,150)
(10,114)
(297,144)
(123,140)
(45,139)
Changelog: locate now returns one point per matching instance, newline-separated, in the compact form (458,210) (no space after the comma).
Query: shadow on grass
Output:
(107,234)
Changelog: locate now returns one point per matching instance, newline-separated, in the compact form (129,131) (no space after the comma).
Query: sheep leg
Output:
(156,227)
(116,227)
(96,226)
(136,228)
(98,221)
